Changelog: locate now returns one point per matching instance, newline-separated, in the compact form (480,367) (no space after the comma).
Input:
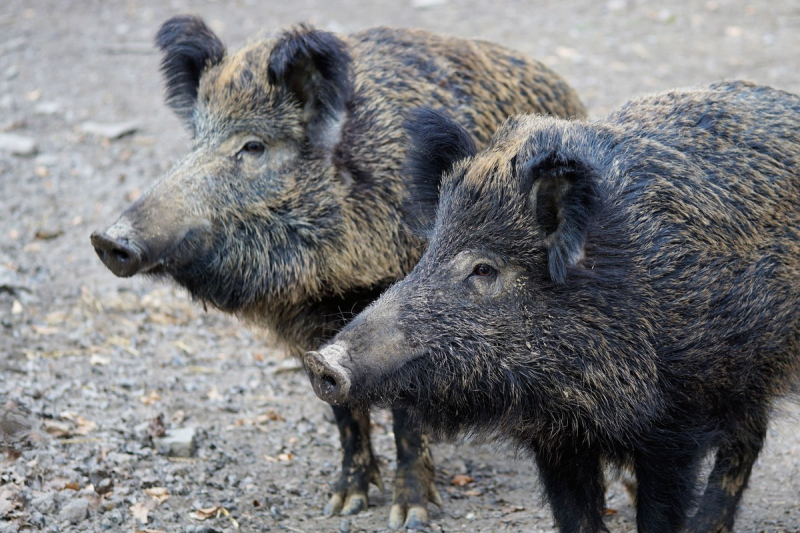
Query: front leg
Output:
(727,481)
(413,483)
(359,467)
(666,478)
(575,489)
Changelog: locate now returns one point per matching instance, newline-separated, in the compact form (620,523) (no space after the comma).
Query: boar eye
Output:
(483,270)
(253,148)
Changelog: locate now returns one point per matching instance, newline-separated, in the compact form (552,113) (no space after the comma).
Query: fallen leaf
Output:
(151,398)
(57,429)
(44,234)
(8,502)
(45,330)
(270,415)
(84,426)
(159,493)
(286,457)
(460,480)
(206,513)
(610,512)
(213,394)
(99,360)
(140,510)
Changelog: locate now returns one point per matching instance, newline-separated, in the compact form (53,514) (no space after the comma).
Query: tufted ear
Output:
(189,47)
(564,196)
(314,66)
(436,143)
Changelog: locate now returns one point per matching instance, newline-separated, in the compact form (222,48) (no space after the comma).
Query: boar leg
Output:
(666,481)
(574,486)
(359,467)
(728,479)
(413,484)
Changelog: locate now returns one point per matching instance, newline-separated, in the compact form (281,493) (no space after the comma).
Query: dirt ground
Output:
(92,367)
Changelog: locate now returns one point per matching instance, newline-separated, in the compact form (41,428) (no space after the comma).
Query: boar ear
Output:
(564,195)
(315,67)
(436,143)
(189,47)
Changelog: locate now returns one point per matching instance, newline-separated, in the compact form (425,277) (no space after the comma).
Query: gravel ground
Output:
(94,369)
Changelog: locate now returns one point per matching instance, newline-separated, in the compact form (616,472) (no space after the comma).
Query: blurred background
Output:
(94,369)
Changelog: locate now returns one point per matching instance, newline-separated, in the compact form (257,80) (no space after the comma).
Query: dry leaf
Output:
(206,513)
(151,398)
(610,511)
(159,493)
(213,394)
(460,480)
(99,360)
(8,502)
(286,457)
(270,415)
(57,429)
(45,330)
(85,426)
(140,510)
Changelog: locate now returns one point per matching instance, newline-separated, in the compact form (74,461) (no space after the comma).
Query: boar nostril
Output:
(329,380)
(121,255)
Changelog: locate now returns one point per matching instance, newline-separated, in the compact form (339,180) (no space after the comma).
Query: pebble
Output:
(17,144)
(47,108)
(179,442)
(75,511)
(110,130)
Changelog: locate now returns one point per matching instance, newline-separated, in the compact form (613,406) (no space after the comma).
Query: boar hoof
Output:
(415,518)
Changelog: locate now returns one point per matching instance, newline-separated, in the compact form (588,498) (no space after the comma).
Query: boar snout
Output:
(331,381)
(121,256)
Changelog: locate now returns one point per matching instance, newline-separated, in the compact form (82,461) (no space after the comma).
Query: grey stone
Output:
(179,442)
(75,511)
(17,144)
(47,108)
(110,130)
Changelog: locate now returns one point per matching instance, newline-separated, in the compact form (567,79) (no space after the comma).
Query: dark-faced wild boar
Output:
(618,292)
(286,211)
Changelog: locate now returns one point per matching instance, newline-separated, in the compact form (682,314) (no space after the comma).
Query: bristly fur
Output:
(668,339)
(436,143)
(189,47)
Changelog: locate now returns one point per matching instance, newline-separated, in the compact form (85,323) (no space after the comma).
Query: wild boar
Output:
(286,211)
(617,292)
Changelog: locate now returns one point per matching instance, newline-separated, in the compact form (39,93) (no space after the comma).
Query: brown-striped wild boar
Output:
(286,211)
(623,291)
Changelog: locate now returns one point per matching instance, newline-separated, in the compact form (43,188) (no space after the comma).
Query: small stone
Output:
(422,4)
(45,503)
(112,130)
(344,525)
(178,442)
(17,144)
(47,108)
(75,511)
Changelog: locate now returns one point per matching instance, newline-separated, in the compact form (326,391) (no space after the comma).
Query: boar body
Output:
(614,292)
(286,211)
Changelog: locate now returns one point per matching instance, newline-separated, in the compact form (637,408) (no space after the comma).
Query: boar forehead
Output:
(235,95)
